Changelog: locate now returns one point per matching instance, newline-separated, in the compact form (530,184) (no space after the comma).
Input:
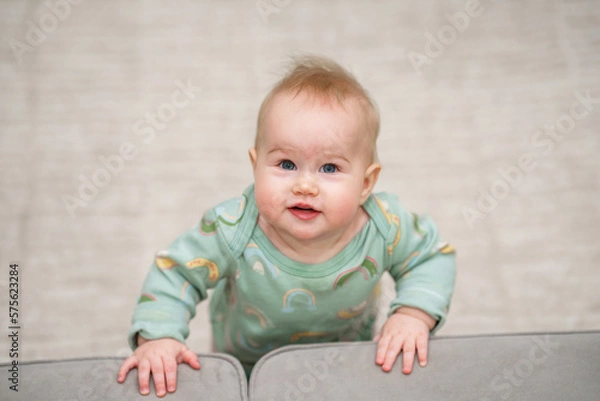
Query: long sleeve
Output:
(178,279)
(422,265)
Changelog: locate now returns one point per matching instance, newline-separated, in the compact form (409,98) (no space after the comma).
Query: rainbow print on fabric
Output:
(368,268)
(396,222)
(384,209)
(187,292)
(257,260)
(352,311)
(410,261)
(445,248)
(299,293)
(213,269)
(251,346)
(420,232)
(263,320)
(392,219)
(145,297)
(208,228)
(163,261)
(228,219)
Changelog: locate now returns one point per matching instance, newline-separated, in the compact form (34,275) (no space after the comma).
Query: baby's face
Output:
(312,167)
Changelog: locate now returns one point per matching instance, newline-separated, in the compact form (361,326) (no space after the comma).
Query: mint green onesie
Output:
(263,300)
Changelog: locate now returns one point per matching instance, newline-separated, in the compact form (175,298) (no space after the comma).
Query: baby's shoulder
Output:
(231,218)
(385,203)
(228,213)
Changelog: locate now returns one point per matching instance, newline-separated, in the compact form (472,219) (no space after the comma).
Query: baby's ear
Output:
(371,177)
(252,154)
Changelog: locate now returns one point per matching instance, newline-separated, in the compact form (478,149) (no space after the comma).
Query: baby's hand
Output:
(406,330)
(160,357)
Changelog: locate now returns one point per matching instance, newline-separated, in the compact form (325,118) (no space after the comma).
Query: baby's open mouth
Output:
(303,208)
(304,212)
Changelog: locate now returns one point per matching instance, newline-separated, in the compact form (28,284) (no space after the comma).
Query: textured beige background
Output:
(532,264)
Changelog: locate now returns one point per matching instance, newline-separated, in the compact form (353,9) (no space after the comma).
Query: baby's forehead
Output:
(315,145)
(348,113)
(308,146)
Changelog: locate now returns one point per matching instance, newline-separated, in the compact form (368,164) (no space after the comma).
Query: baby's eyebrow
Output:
(282,150)
(327,155)
(337,156)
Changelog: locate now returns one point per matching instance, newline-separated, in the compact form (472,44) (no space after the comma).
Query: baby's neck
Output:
(317,250)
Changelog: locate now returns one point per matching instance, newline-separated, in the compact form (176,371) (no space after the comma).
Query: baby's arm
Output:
(160,357)
(178,279)
(423,267)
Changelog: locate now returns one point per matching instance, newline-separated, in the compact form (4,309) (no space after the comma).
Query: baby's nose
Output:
(305,186)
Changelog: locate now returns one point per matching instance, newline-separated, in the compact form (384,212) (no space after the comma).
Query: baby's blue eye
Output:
(287,165)
(329,168)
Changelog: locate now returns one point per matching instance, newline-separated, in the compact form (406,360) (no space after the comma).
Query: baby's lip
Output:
(303,206)
(303,211)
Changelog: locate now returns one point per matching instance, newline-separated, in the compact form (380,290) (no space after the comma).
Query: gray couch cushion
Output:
(530,367)
(221,378)
(561,366)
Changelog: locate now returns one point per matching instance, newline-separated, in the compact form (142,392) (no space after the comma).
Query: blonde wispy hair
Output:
(324,79)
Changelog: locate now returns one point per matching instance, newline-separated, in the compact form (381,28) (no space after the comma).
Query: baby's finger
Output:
(422,349)
(170,365)
(127,365)
(191,359)
(144,376)
(158,374)
(392,353)
(377,337)
(382,347)
(408,355)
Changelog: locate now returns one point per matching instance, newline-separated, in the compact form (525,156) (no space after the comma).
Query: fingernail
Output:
(423,364)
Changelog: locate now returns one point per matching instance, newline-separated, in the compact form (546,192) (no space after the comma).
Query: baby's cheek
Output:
(267,202)
(345,208)
(262,201)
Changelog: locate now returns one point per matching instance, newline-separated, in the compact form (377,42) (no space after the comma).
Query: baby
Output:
(298,257)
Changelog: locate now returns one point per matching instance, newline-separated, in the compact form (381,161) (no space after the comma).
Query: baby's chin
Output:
(304,235)
(289,227)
